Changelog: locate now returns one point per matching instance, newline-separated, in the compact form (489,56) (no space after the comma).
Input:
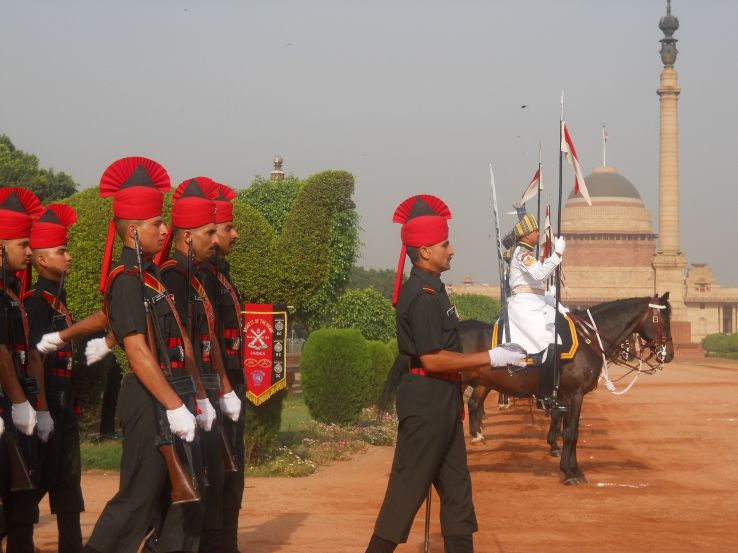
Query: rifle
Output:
(19,456)
(183,485)
(211,382)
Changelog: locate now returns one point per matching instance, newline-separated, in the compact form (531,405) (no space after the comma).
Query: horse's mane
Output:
(619,305)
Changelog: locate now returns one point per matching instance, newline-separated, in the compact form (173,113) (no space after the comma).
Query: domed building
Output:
(610,244)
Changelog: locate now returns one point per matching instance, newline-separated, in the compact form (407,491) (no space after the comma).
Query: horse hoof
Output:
(555,453)
(478,440)
(581,479)
(572,481)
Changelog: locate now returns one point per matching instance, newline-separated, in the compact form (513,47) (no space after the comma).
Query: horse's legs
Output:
(476,411)
(554,431)
(568,463)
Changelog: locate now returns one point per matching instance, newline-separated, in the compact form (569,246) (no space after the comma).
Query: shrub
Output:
(717,343)
(336,374)
(367,311)
(392,345)
(262,427)
(476,306)
(382,359)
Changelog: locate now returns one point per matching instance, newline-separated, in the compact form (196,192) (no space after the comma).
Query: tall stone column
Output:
(669,262)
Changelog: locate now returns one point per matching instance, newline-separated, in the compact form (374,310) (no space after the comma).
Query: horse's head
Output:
(654,328)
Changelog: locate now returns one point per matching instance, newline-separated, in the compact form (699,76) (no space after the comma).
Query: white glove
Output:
(50,342)
(182,423)
(97,349)
(501,357)
(230,405)
(45,426)
(205,414)
(24,417)
(560,245)
(2,426)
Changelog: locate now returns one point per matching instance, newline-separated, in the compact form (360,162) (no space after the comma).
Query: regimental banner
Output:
(265,349)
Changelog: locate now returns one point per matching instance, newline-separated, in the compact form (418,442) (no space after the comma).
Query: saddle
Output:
(568,347)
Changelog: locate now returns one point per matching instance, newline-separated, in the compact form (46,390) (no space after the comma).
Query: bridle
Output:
(657,344)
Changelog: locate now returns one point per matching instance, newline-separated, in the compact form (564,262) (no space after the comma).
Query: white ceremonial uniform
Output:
(530,310)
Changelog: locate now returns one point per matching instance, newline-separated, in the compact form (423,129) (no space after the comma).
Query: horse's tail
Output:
(399,368)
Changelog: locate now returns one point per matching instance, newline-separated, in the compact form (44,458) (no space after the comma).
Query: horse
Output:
(615,321)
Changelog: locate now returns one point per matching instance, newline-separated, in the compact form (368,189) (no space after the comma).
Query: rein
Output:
(656,346)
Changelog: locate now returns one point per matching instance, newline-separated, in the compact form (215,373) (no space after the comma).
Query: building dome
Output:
(607,182)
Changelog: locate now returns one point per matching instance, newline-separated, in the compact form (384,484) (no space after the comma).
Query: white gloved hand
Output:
(501,357)
(2,427)
(560,245)
(182,423)
(230,405)
(45,426)
(97,349)
(24,417)
(205,414)
(50,342)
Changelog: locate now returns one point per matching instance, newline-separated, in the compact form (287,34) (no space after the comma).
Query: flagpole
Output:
(538,211)
(558,267)
(604,147)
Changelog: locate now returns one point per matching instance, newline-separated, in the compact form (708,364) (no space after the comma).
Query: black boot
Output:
(20,539)
(458,544)
(379,545)
(544,397)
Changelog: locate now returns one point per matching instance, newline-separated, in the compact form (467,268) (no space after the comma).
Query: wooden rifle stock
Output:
(229,461)
(20,474)
(183,488)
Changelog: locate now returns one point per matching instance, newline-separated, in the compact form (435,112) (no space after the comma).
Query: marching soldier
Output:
(46,307)
(430,442)
(154,396)
(19,383)
(194,235)
(227,302)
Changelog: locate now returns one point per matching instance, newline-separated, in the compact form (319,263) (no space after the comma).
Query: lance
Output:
(558,267)
(538,210)
(500,256)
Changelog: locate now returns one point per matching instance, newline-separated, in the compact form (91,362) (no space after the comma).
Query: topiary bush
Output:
(368,311)
(336,374)
(382,359)
(394,349)
(476,307)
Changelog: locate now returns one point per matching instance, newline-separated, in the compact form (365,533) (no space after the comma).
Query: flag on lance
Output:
(570,153)
(265,350)
(548,239)
(535,185)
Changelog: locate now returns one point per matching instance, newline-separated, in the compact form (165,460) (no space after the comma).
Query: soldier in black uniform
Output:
(430,442)
(45,305)
(137,509)
(193,232)
(227,302)
(18,209)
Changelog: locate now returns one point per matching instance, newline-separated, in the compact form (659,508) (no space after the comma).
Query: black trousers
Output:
(234,481)
(212,523)
(137,507)
(60,477)
(430,450)
(20,509)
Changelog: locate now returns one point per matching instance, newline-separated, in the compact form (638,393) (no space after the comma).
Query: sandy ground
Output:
(661,463)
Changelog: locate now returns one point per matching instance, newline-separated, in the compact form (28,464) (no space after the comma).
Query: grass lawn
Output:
(301,446)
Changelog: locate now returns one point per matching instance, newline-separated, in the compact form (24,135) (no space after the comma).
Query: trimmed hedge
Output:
(368,311)
(394,349)
(382,359)
(720,343)
(336,374)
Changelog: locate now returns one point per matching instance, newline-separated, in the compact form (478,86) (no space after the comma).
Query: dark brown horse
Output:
(616,321)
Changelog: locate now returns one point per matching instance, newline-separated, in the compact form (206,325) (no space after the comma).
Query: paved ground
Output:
(661,463)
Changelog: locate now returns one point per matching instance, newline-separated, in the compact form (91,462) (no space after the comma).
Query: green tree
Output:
(476,306)
(17,168)
(382,280)
(367,311)
(273,199)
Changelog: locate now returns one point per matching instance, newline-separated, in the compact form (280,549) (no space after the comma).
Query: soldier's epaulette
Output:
(429,290)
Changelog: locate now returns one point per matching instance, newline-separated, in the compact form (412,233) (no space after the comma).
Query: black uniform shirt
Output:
(126,311)
(426,319)
(175,279)
(228,314)
(42,318)
(11,324)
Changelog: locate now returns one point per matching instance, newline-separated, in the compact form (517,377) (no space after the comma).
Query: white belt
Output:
(528,290)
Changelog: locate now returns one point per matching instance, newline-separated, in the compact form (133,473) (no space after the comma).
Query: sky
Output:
(409,96)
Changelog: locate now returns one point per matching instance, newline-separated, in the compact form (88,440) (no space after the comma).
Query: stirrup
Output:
(549,405)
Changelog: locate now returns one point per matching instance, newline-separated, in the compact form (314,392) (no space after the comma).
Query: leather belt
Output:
(528,290)
(453,377)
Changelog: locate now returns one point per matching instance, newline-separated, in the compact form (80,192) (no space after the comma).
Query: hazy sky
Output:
(411,97)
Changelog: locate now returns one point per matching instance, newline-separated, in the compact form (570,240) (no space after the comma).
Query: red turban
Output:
(51,229)
(192,207)
(424,223)
(223,198)
(137,185)
(18,208)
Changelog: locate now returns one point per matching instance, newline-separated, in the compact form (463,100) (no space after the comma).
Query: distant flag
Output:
(567,148)
(533,187)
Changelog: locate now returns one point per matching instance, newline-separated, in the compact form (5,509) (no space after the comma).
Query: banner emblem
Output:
(265,344)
